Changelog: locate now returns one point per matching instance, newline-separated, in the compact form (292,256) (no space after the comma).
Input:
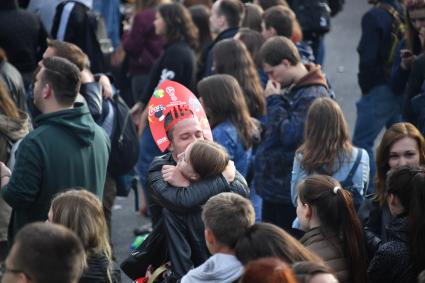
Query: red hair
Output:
(268,270)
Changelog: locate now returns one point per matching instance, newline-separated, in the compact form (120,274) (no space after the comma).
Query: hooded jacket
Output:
(66,149)
(220,268)
(283,131)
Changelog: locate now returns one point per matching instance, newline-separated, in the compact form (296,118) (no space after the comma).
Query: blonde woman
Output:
(81,211)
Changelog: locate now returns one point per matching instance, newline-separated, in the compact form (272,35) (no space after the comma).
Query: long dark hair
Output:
(337,215)
(408,184)
(326,137)
(413,41)
(230,56)
(179,24)
(223,99)
(200,17)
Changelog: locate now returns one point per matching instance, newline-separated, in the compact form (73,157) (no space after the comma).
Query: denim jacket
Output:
(226,134)
(360,178)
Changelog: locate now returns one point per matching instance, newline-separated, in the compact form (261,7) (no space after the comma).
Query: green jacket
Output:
(66,149)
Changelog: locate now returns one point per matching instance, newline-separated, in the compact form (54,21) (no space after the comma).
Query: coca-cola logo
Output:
(156,110)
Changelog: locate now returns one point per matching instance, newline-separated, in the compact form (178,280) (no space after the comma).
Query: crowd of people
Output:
(269,187)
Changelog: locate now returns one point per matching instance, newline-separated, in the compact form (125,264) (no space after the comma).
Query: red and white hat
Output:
(172,97)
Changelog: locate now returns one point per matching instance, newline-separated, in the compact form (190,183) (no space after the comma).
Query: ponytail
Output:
(337,215)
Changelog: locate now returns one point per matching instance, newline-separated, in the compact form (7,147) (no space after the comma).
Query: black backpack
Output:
(314,16)
(124,140)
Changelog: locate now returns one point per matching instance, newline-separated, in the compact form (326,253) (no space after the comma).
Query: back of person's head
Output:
(190,3)
(68,51)
(146,4)
(268,270)
(208,158)
(268,240)
(253,41)
(266,4)
(228,216)
(252,17)
(46,253)
(63,77)
(333,207)
(395,133)
(230,56)
(179,24)
(81,211)
(231,10)
(407,183)
(200,17)
(279,48)
(279,18)
(306,270)
(223,99)
(326,137)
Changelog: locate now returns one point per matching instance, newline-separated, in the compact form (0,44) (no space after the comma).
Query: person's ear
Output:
(47,91)
(209,237)
(273,31)
(308,211)
(195,177)
(170,147)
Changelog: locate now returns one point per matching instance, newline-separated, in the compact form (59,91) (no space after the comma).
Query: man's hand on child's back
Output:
(230,172)
(173,176)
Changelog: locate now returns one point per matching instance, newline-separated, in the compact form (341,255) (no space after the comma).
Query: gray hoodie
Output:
(220,268)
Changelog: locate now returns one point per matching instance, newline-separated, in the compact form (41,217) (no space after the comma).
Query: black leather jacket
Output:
(181,210)
(190,199)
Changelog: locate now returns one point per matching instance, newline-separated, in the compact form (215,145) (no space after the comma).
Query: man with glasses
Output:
(66,149)
(44,253)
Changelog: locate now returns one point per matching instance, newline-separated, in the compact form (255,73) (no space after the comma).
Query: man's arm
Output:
(192,197)
(24,185)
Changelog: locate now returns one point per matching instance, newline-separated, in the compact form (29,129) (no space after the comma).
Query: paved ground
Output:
(341,66)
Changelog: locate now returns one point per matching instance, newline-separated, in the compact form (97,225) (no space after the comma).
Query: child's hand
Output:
(230,172)
(173,176)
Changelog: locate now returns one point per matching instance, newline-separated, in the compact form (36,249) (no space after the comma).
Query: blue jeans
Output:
(379,108)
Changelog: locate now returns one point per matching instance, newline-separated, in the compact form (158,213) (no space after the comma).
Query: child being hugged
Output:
(201,159)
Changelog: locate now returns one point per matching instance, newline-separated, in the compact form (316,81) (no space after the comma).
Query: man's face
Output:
(279,73)
(11,273)
(184,133)
(38,88)
(216,20)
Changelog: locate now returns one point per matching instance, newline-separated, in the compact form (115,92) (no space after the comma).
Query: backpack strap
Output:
(398,20)
(355,166)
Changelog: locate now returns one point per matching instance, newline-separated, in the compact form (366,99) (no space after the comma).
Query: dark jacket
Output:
(374,47)
(182,213)
(392,262)
(207,56)
(141,43)
(97,270)
(80,29)
(22,36)
(330,249)
(283,130)
(414,87)
(66,149)
(14,83)
(177,63)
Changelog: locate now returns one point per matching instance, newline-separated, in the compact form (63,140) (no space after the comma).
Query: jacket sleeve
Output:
(399,76)
(416,78)
(298,175)
(290,122)
(24,185)
(368,49)
(182,200)
(92,93)
(384,265)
